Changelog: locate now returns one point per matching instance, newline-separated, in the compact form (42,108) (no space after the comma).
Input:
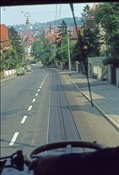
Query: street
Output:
(44,106)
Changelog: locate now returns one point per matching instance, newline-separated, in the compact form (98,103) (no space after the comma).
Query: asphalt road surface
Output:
(43,106)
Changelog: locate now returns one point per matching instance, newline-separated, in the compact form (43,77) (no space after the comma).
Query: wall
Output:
(7,73)
(95,66)
(117,77)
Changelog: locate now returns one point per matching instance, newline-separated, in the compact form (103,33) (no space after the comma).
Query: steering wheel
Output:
(64,144)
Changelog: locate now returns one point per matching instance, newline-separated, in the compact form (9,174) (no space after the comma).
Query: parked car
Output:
(28,68)
(20,71)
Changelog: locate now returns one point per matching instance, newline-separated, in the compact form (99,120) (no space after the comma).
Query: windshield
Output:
(67,87)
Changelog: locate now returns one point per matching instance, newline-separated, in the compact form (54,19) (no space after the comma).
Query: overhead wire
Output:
(82,51)
(10,16)
(56,14)
(60,11)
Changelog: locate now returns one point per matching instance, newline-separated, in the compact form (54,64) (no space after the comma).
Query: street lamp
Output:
(69,59)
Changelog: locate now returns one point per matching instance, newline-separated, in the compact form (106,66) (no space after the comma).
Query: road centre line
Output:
(29,108)
(38,90)
(36,94)
(33,100)
(14,138)
(24,119)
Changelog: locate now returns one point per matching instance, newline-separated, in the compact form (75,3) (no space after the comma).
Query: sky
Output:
(13,15)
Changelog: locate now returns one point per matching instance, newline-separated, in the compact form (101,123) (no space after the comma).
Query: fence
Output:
(4,74)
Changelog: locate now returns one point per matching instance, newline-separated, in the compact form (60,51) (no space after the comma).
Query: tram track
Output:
(62,123)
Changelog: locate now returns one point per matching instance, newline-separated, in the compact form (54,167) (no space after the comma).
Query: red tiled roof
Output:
(95,6)
(74,33)
(52,36)
(3,32)
(4,44)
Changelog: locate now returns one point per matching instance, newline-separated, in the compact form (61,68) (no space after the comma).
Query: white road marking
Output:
(38,90)
(36,94)
(29,108)
(24,118)
(14,138)
(40,87)
(33,100)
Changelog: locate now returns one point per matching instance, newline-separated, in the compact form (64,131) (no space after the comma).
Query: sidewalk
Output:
(105,96)
(7,78)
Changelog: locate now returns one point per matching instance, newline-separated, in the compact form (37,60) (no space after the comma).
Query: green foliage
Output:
(108,16)
(37,49)
(89,40)
(62,46)
(13,58)
(69,21)
(47,56)
(16,57)
(63,29)
(85,13)
(16,43)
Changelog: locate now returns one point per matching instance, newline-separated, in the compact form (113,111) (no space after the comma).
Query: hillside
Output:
(69,21)
(40,26)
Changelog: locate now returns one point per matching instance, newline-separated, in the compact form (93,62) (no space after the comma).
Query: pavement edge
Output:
(107,117)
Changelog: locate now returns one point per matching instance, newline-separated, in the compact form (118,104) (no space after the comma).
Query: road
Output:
(43,106)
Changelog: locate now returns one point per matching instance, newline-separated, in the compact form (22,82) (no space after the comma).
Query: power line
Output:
(10,16)
(56,14)
(60,10)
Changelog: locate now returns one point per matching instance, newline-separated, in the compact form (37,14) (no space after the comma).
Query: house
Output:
(91,24)
(28,39)
(4,38)
(74,36)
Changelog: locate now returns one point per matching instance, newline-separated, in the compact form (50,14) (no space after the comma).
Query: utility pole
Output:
(69,59)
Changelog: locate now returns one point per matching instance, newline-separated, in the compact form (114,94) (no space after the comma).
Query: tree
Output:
(62,46)
(14,57)
(89,40)
(18,51)
(108,16)
(37,49)
(85,13)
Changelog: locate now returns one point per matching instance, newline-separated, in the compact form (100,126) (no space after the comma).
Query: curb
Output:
(2,80)
(106,116)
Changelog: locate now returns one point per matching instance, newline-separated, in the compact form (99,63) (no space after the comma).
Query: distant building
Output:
(52,37)
(92,25)
(90,19)
(4,38)
(74,36)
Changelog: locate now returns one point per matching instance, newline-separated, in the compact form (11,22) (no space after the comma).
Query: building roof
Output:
(51,36)
(93,8)
(3,32)
(74,33)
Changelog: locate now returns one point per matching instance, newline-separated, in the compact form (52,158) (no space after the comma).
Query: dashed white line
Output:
(33,100)
(14,138)
(29,108)
(24,118)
